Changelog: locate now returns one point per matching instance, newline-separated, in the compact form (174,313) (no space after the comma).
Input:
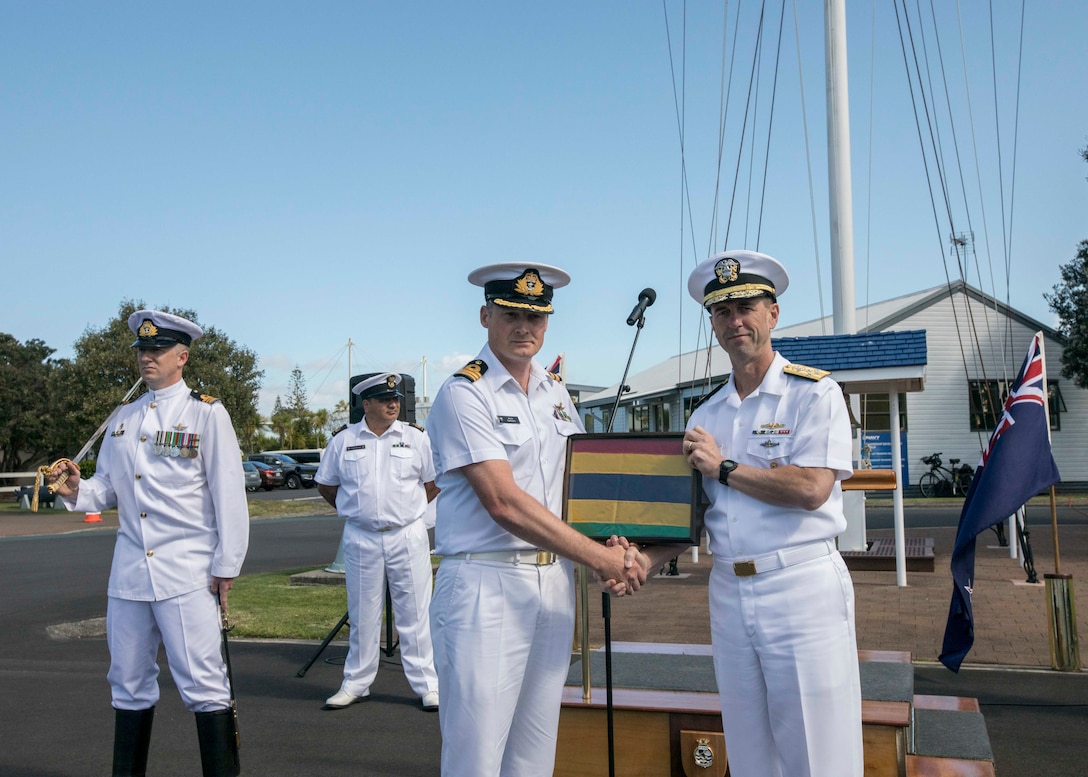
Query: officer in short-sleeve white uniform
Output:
(379,475)
(171,464)
(503,612)
(772,445)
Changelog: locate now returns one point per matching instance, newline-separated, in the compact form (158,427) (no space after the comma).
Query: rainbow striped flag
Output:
(634,485)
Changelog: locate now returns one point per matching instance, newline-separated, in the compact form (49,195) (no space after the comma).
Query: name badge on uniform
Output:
(509,419)
(355,448)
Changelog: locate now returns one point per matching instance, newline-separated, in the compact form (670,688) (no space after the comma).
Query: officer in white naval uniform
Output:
(503,611)
(772,445)
(171,464)
(379,475)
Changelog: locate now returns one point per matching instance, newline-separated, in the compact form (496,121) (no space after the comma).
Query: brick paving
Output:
(1010,616)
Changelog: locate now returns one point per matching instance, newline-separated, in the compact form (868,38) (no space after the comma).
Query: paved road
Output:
(56,721)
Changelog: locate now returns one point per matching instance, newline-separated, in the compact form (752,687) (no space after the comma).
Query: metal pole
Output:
(838,169)
(897,495)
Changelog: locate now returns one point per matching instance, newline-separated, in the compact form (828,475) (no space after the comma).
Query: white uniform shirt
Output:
(488,419)
(380,479)
(183,518)
(787,420)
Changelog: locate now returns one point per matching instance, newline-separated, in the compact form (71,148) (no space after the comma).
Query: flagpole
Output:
(1061,607)
(1053,497)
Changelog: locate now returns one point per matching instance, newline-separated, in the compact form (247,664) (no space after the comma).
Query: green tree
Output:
(30,418)
(280,422)
(1070,302)
(104,369)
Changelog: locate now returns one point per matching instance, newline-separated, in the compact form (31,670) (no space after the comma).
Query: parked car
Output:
(304,455)
(295,473)
(272,475)
(253,475)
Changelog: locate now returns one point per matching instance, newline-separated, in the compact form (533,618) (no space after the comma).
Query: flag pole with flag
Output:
(1016,465)
(558,367)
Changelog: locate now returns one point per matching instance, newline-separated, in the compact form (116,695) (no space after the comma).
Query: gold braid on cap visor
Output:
(523,305)
(740,291)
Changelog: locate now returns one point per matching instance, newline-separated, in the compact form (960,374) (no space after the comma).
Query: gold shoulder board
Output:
(801,371)
(203,397)
(554,377)
(342,428)
(474,370)
(416,426)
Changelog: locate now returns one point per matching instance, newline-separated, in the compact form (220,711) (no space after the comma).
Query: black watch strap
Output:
(724,469)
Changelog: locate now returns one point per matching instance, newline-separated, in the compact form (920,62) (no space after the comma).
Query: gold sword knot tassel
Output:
(47,472)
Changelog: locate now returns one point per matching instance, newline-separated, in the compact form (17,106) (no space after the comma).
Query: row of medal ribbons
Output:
(177,444)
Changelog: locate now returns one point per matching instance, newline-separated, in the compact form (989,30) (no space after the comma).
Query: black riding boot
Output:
(131,739)
(218,744)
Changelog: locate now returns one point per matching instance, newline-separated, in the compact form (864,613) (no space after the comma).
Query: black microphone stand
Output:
(623,381)
(606,605)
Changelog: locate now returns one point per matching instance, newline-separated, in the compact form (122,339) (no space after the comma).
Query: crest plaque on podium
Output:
(633,485)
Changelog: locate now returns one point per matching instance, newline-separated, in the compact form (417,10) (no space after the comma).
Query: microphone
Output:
(646,298)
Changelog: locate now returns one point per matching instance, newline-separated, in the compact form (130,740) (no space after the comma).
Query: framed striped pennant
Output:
(637,486)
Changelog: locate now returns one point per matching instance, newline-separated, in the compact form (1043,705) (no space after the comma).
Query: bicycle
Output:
(942,481)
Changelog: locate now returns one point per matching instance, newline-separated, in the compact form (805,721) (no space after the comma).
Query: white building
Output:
(974,344)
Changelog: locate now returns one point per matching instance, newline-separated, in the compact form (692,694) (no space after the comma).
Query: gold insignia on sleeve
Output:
(801,371)
(529,284)
(474,370)
(147,329)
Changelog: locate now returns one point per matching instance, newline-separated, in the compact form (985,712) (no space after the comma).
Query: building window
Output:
(590,422)
(661,417)
(640,418)
(987,399)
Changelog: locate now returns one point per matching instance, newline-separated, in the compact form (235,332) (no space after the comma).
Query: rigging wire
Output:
(770,121)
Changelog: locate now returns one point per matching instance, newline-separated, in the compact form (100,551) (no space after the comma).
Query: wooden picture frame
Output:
(635,485)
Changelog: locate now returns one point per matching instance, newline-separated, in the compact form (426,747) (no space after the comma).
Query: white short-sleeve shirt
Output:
(492,418)
(787,420)
(380,479)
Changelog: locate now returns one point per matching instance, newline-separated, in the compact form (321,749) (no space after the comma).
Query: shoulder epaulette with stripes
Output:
(474,370)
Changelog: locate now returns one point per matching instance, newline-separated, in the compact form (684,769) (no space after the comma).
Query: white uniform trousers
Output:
(403,555)
(188,627)
(785,657)
(503,635)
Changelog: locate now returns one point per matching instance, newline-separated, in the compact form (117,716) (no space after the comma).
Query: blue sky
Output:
(305,173)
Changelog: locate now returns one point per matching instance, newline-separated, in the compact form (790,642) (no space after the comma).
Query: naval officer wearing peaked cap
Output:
(772,446)
(171,464)
(503,611)
(379,475)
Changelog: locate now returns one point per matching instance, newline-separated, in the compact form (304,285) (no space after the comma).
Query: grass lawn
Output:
(267,606)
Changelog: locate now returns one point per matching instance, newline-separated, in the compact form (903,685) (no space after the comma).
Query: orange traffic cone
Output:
(93,518)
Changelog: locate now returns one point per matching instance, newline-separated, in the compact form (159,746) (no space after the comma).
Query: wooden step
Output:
(928,766)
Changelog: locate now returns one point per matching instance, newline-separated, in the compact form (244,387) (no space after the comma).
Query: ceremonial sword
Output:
(47,470)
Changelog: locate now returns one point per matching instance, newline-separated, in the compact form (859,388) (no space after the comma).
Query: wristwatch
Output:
(724,469)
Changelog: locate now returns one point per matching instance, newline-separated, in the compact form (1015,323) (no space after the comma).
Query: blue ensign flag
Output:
(1016,465)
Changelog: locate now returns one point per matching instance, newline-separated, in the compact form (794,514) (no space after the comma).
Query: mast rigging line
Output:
(936,147)
(751,109)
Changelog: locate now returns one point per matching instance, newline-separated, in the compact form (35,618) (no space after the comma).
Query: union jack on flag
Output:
(1030,387)
(1016,465)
